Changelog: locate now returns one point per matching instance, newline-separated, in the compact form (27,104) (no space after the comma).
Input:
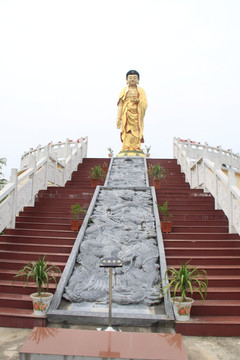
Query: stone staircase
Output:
(42,229)
(200,234)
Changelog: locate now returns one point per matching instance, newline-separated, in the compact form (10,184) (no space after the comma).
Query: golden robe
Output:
(132,115)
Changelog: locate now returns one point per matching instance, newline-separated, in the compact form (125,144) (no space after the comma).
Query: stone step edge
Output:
(200,320)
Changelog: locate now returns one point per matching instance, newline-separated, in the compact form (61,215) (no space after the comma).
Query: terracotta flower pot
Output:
(156,183)
(76,224)
(41,303)
(94,182)
(166,226)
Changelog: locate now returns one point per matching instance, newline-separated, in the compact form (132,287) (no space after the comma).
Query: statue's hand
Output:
(119,122)
(136,100)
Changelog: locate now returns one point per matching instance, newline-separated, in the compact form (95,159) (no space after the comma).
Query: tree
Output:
(3,181)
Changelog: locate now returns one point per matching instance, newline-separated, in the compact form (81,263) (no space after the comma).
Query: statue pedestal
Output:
(131,153)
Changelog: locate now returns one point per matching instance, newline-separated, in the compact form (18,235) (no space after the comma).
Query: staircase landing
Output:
(86,344)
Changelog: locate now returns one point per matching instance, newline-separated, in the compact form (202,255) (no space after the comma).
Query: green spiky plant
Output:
(41,272)
(157,171)
(165,211)
(185,281)
(147,148)
(76,209)
(97,172)
(110,152)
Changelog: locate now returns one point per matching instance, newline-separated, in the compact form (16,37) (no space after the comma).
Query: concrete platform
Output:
(198,348)
(69,344)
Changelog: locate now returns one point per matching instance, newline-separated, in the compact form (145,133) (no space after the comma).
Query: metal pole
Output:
(110,299)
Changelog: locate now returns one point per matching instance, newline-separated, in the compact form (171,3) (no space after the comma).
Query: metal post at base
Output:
(110,263)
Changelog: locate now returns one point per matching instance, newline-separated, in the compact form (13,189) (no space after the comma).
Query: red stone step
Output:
(52,211)
(61,198)
(44,225)
(206,214)
(49,248)
(41,232)
(53,216)
(199,236)
(196,216)
(8,286)
(33,218)
(203,260)
(217,269)
(198,229)
(38,239)
(216,308)
(33,256)
(201,243)
(210,326)
(220,293)
(176,200)
(16,264)
(173,194)
(202,252)
(64,206)
(8,275)
(19,301)
(224,281)
(199,222)
(20,318)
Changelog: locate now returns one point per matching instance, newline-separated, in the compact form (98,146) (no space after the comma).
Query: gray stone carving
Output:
(122,225)
(127,172)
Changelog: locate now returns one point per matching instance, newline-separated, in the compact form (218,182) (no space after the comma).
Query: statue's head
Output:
(132,77)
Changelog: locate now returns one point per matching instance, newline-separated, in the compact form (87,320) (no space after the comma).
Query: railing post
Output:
(205,156)
(33,177)
(14,180)
(220,155)
(46,167)
(231,182)
(217,166)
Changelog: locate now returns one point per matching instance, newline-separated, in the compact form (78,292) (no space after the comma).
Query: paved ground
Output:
(198,348)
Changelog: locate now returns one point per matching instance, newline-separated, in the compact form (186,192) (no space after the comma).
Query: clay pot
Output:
(94,182)
(166,226)
(156,183)
(76,224)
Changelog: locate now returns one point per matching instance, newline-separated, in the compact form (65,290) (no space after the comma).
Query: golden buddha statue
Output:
(132,104)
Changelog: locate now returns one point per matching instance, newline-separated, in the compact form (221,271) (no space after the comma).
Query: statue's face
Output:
(132,80)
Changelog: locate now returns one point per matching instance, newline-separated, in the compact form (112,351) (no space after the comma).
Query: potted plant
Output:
(183,281)
(166,224)
(110,152)
(147,150)
(105,167)
(158,172)
(41,272)
(76,209)
(96,174)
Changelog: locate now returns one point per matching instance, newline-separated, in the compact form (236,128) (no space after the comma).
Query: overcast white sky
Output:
(63,64)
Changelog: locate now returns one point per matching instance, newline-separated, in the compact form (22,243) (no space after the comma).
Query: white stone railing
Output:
(216,171)
(40,168)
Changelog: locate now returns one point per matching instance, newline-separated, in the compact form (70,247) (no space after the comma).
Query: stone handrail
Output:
(40,168)
(216,171)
